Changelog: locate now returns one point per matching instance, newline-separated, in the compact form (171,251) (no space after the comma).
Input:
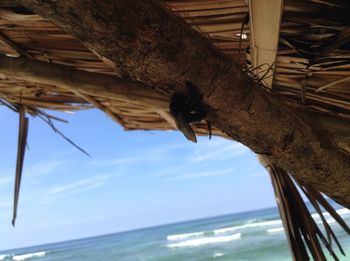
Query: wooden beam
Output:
(265,21)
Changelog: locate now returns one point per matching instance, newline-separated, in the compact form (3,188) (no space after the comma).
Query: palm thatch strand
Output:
(303,234)
(21,147)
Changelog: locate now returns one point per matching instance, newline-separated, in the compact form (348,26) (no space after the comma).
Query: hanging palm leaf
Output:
(22,141)
(303,234)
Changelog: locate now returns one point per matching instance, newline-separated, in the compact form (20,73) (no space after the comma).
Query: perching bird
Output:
(187,109)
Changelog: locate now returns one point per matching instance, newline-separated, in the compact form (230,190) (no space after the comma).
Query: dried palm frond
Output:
(303,234)
(48,119)
(317,200)
(22,141)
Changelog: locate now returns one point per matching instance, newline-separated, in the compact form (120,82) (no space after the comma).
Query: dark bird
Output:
(188,108)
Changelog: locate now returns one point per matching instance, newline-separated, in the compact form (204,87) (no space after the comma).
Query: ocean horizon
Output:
(249,235)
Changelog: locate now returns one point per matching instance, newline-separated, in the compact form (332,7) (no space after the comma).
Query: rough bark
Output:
(153,46)
(111,87)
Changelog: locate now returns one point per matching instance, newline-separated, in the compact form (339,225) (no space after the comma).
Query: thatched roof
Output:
(26,34)
(297,49)
(303,80)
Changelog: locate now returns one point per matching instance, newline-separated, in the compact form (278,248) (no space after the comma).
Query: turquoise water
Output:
(256,235)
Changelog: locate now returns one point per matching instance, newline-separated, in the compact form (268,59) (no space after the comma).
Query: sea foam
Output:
(29,255)
(330,220)
(342,212)
(248,225)
(2,257)
(205,241)
(184,236)
(275,230)
(215,255)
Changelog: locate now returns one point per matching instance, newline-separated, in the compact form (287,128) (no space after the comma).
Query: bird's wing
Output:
(186,129)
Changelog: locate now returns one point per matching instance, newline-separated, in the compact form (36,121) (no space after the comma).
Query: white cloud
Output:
(56,193)
(79,186)
(219,149)
(115,162)
(148,154)
(201,174)
(6,204)
(6,180)
(44,167)
(259,174)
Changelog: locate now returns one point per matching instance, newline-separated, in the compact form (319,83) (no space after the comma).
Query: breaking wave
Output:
(248,225)
(2,257)
(342,212)
(330,220)
(184,236)
(205,240)
(215,255)
(275,230)
(29,255)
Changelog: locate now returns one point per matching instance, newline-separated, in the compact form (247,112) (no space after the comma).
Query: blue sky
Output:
(133,179)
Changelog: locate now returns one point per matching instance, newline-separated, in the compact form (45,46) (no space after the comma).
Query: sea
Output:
(254,235)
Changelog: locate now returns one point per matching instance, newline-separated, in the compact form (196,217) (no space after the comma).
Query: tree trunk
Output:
(152,45)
